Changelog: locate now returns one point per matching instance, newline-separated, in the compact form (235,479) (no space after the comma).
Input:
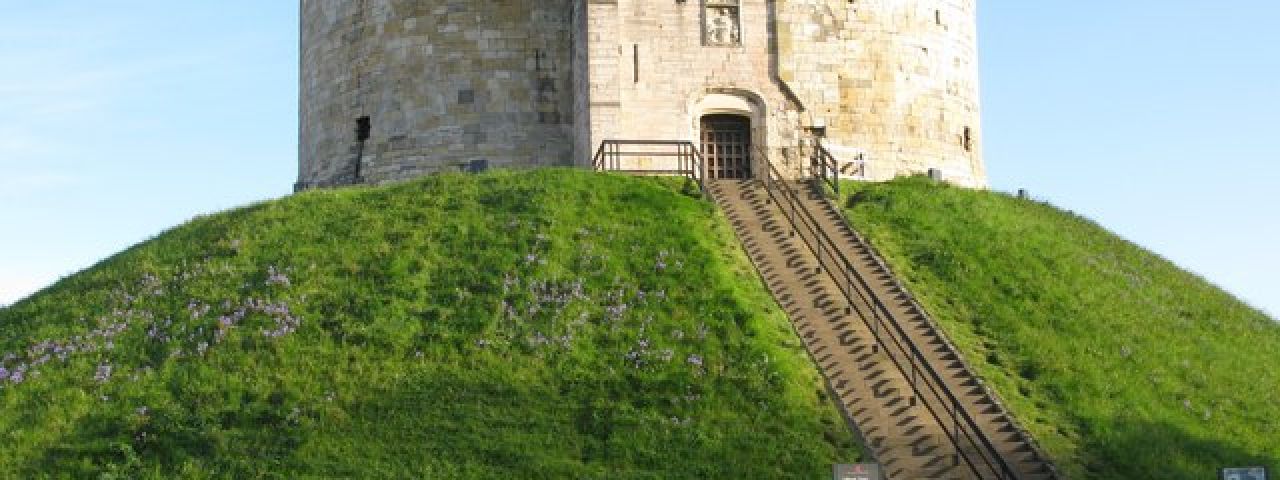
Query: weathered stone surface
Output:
(444,84)
(543,82)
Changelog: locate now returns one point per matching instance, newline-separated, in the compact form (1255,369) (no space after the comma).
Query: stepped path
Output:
(934,421)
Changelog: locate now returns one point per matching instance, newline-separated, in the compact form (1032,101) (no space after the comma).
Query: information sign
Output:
(1244,473)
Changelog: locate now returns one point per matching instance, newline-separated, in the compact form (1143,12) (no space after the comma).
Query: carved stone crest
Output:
(722,23)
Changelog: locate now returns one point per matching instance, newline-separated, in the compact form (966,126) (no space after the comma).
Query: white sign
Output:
(1244,473)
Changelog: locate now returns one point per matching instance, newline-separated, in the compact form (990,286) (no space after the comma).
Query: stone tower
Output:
(392,89)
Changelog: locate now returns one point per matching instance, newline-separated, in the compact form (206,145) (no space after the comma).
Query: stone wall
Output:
(893,80)
(449,84)
(654,74)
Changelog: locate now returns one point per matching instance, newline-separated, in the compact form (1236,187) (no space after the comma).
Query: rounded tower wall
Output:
(894,82)
(890,87)
(439,85)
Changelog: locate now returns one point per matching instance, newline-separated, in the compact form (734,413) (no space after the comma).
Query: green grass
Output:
(1121,364)
(544,324)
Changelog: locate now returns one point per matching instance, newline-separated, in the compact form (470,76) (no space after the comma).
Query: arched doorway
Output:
(726,145)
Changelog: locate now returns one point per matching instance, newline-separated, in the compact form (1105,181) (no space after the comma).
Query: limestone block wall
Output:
(653,74)
(444,84)
(456,84)
(894,80)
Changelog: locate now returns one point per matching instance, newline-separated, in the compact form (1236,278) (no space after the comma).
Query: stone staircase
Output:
(920,410)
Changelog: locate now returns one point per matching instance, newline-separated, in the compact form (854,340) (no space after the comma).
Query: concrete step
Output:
(974,396)
(903,432)
(874,396)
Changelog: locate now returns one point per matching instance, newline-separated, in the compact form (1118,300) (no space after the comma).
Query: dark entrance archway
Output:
(726,146)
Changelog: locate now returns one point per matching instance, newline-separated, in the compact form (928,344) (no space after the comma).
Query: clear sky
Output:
(1158,119)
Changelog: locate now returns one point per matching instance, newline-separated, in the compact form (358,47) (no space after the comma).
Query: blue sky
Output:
(1157,119)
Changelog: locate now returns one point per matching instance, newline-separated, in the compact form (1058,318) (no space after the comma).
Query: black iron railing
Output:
(688,159)
(824,166)
(971,445)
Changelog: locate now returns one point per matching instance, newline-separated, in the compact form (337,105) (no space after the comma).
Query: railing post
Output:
(956,415)
(836,171)
(682,163)
(955,431)
(875,331)
(792,201)
(686,162)
(680,160)
(914,389)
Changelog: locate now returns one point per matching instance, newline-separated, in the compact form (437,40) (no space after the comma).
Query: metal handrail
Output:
(689,161)
(888,332)
(826,167)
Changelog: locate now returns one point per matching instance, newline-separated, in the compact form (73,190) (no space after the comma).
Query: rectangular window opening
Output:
(363,128)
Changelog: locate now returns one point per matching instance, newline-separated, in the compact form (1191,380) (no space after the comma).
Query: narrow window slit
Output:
(363,128)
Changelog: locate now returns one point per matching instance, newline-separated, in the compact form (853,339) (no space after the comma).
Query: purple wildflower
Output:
(103,374)
(616,311)
(633,357)
(276,277)
(18,374)
(197,309)
(695,360)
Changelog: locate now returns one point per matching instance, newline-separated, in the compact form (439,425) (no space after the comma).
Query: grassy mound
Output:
(548,324)
(1120,363)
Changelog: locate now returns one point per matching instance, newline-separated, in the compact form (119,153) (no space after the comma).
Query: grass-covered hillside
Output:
(545,324)
(1120,363)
